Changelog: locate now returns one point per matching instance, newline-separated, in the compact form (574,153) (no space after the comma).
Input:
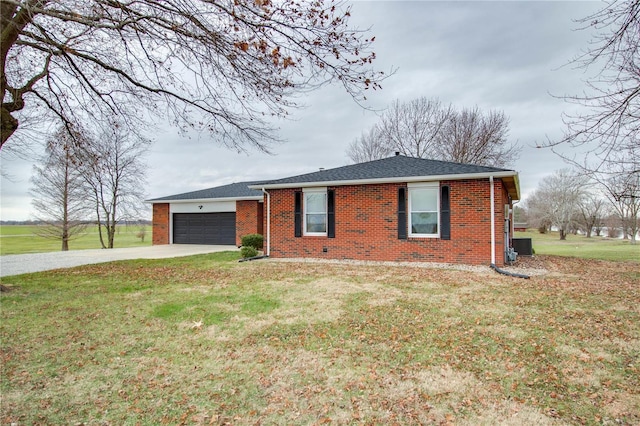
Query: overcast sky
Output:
(507,56)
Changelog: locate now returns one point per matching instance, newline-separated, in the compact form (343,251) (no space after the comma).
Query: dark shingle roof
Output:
(397,166)
(394,167)
(232,190)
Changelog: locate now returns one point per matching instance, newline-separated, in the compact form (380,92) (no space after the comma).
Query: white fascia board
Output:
(485,175)
(516,181)
(206,200)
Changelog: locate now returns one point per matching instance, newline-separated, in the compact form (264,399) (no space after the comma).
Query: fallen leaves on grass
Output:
(322,343)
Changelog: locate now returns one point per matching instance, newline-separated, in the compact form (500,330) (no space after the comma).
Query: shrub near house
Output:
(251,244)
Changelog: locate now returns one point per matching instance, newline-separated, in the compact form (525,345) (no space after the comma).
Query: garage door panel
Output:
(204,228)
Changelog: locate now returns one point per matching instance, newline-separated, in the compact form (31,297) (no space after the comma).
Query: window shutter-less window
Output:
(445,213)
(298,214)
(331,213)
(402,213)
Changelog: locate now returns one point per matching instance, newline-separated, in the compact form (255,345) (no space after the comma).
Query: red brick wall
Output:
(366,226)
(260,219)
(248,219)
(160,224)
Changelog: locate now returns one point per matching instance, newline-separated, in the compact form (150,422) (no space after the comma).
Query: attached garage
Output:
(216,216)
(204,228)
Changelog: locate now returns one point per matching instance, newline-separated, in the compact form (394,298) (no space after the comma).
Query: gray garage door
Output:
(204,228)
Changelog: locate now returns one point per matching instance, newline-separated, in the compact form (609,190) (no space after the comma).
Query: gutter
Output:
(202,200)
(267,251)
(398,179)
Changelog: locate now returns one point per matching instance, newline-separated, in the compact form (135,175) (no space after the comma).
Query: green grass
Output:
(582,247)
(18,239)
(208,340)
(215,309)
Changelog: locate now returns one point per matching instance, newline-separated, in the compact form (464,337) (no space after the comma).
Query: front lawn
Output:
(207,340)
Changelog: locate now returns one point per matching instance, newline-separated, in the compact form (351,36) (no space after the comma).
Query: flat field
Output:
(207,340)
(579,246)
(18,239)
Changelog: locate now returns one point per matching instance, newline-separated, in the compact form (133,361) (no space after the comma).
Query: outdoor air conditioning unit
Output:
(523,246)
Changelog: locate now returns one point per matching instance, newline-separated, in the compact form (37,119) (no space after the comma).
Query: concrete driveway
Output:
(16,264)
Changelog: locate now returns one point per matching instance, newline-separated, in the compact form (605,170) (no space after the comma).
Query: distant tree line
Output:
(31,222)
(572,202)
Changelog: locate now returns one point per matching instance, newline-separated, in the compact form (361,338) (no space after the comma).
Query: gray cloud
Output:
(507,56)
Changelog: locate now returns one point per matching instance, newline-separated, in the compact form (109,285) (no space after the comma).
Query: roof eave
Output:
(205,200)
(483,175)
(516,181)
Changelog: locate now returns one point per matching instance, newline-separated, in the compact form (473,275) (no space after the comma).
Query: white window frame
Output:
(305,191)
(435,186)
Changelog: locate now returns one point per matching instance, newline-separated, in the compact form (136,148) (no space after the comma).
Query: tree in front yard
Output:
(623,192)
(115,176)
(59,196)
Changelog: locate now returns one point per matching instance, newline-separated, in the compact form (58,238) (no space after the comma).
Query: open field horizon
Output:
(20,239)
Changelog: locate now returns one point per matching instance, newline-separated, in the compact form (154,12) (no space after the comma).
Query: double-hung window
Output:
(424,209)
(315,211)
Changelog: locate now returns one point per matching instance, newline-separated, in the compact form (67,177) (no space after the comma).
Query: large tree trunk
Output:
(112,219)
(8,125)
(65,238)
(65,208)
(100,234)
(563,234)
(112,234)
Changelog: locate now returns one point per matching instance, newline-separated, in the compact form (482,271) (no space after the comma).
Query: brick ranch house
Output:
(395,209)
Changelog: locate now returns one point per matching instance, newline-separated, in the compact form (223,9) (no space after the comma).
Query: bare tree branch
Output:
(225,67)
(425,128)
(368,147)
(114,174)
(609,118)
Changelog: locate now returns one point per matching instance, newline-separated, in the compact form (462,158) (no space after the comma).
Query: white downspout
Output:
(493,223)
(513,217)
(268,246)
